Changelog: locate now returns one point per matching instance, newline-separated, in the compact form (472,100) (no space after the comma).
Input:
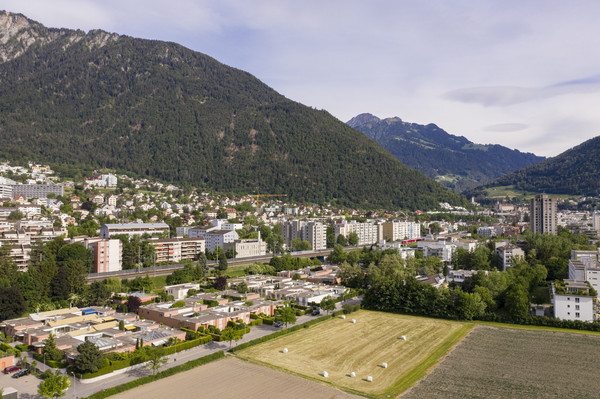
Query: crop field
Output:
(341,347)
(506,363)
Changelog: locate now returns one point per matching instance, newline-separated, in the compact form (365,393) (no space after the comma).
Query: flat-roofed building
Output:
(132,229)
(173,250)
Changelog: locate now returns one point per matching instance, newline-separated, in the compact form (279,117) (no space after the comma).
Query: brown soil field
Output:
(341,347)
(496,362)
(233,378)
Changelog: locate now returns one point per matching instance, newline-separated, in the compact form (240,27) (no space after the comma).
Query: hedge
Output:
(163,374)
(268,320)
(256,322)
(282,332)
(50,363)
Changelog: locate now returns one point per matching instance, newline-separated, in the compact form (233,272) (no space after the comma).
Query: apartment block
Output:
(368,233)
(172,250)
(132,229)
(399,230)
(542,214)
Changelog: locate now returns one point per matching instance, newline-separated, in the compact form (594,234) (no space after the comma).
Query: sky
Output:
(520,73)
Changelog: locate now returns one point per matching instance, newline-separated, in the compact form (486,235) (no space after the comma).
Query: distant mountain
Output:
(101,100)
(574,172)
(452,160)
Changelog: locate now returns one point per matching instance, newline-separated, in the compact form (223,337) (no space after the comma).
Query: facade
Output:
(249,248)
(585,269)
(368,233)
(37,190)
(132,229)
(572,301)
(542,214)
(174,250)
(108,255)
(440,249)
(397,230)
(219,238)
(507,252)
(314,232)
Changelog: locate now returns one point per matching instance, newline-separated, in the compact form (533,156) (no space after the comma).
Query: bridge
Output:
(168,269)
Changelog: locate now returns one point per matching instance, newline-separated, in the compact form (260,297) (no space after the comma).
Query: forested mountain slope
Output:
(158,109)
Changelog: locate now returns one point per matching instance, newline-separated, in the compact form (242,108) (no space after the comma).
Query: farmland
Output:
(232,378)
(341,347)
(507,363)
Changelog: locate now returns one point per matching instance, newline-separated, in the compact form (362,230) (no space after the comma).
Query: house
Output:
(573,300)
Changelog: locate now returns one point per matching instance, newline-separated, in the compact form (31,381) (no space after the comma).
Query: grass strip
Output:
(535,328)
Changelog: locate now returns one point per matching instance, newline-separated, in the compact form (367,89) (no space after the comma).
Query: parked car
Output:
(315,312)
(278,324)
(11,369)
(21,373)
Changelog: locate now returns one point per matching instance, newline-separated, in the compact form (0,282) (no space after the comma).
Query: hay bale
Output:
(353,374)
(403,338)
(369,378)
(384,365)
(285,350)
(343,317)
(353,321)
(325,374)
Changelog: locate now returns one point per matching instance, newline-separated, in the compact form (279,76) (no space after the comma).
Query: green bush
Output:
(347,308)
(256,322)
(254,316)
(268,320)
(22,347)
(178,304)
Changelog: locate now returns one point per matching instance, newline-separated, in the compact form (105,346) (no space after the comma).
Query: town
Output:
(67,243)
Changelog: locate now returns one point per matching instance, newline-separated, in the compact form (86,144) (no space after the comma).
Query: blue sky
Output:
(524,74)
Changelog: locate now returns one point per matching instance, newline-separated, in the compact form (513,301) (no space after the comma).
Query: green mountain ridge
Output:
(453,160)
(573,172)
(158,109)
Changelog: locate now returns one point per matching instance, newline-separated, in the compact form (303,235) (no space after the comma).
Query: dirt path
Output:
(231,378)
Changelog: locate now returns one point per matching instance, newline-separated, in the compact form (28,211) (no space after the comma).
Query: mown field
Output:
(496,362)
(341,347)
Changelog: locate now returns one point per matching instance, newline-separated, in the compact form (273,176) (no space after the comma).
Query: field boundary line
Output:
(535,328)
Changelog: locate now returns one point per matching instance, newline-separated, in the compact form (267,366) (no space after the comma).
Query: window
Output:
(568,306)
(576,307)
(576,300)
(576,314)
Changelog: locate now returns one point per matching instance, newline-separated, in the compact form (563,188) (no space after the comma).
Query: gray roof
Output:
(137,226)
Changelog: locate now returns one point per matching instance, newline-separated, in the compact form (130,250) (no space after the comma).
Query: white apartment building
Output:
(585,269)
(312,231)
(172,250)
(572,301)
(249,248)
(218,238)
(368,233)
(507,252)
(108,253)
(399,230)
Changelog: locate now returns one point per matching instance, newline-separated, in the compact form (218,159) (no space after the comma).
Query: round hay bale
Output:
(403,338)
(353,374)
(325,374)
(343,317)
(370,379)
(353,321)
(384,365)
(285,350)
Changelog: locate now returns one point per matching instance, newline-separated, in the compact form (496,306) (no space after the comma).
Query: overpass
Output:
(168,269)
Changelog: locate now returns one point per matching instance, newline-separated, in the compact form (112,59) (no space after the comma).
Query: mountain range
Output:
(573,172)
(158,109)
(452,160)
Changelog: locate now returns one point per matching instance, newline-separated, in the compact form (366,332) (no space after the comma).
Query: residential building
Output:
(507,252)
(542,214)
(572,301)
(314,232)
(368,233)
(248,248)
(586,268)
(132,229)
(108,255)
(172,250)
(399,230)
(37,190)
(219,238)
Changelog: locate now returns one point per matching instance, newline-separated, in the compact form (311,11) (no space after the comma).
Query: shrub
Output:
(178,304)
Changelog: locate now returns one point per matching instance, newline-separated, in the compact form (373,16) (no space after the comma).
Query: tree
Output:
(330,237)
(50,349)
(122,325)
(76,252)
(517,301)
(338,255)
(203,264)
(133,304)
(16,215)
(70,279)
(242,288)
(353,239)
(288,314)
(54,386)
(89,359)
(12,303)
(275,243)
(156,359)
(341,240)
(220,283)
(8,268)
(222,262)
(98,293)
(229,334)
(299,245)
(328,304)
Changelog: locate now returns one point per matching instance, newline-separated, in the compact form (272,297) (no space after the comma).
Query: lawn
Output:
(341,347)
(507,363)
